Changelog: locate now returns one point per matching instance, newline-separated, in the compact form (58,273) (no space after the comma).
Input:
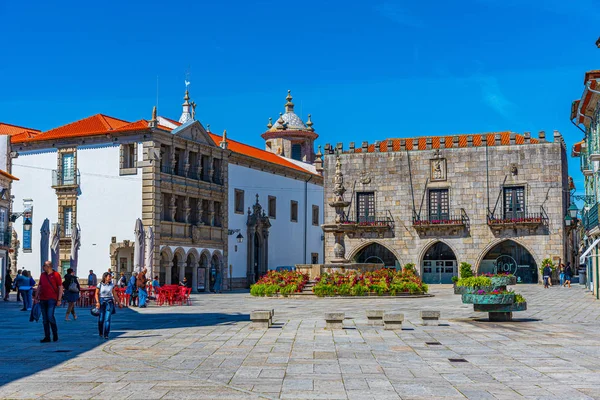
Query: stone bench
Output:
(392,321)
(375,317)
(430,318)
(261,319)
(334,320)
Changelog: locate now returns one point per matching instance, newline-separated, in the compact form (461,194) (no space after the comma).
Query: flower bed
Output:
(472,284)
(284,283)
(379,282)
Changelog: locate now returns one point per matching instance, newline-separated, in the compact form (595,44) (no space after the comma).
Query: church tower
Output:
(290,137)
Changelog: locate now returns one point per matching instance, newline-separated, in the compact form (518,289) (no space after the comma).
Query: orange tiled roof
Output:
(18,132)
(9,176)
(420,143)
(95,125)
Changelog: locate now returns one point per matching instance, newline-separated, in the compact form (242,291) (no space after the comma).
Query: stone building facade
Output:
(496,201)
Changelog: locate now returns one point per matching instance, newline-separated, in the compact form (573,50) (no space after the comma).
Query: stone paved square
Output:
(209,351)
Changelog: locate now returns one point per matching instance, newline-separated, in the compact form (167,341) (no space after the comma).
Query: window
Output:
(218,214)
(239,201)
(194,219)
(68,168)
(217,170)
(315,215)
(365,206)
(166,201)
(128,159)
(314,258)
(205,161)
(5,235)
(438,204)
(297,151)
(272,207)
(294,211)
(514,202)
(67,221)
(205,214)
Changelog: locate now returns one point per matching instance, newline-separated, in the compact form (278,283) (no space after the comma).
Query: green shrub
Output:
(465,270)
(410,267)
(359,290)
(397,288)
(270,290)
(344,289)
(257,290)
(289,289)
(474,281)
(413,288)
(425,287)
(454,279)
(547,262)
(519,299)
(323,289)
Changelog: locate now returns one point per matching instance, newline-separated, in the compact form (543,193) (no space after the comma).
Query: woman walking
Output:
(132,290)
(561,273)
(106,295)
(71,293)
(8,281)
(568,273)
(26,290)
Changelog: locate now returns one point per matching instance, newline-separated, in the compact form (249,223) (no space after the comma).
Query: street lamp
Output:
(573,210)
(568,220)
(27,224)
(240,238)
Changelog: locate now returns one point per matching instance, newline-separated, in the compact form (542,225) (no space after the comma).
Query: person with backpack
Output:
(132,290)
(16,284)
(71,293)
(25,286)
(547,274)
(49,295)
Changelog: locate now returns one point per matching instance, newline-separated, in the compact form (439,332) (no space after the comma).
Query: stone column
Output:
(168,268)
(173,160)
(186,162)
(186,209)
(250,256)
(173,207)
(180,270)
(199,211)
(211,213)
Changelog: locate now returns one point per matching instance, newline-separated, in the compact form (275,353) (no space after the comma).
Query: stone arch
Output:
(443,267)
(354,252)
(179,259)
(194,252)
(216,273)
(191,262)
(166,263)
(490,246)
(180,252)
(202,269)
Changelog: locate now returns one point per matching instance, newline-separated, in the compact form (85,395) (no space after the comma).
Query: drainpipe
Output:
(306,215)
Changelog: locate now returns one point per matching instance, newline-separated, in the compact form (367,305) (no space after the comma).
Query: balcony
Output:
(377,224)
(5,237)
(586,166)
(451,223)
(65,179)
(194,233)
(590,218)
(523,219)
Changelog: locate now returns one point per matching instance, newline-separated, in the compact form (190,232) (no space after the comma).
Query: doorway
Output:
(439,264)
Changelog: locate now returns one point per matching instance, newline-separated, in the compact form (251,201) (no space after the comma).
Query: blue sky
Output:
(364,70)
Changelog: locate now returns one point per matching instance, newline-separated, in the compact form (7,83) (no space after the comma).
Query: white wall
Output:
(34,171)
(107,206)
(286,238)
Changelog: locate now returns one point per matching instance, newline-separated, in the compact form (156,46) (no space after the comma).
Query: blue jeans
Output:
(562,279)
(48,319)
(143,295)
(106,310)
(27,298)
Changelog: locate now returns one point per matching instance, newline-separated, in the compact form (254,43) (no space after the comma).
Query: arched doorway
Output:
(510,257)
(174,269)
(376,253)
(201,273)
(439,264)
(188,271)
(165,266)
(215,274)
(258,243)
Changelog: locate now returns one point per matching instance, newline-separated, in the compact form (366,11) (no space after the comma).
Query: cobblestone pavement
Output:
(209,351)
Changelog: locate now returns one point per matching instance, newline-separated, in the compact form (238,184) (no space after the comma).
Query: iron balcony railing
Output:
(525,216)
(65,178)
(5,237)
(380,218)
(590,218)
(460,218)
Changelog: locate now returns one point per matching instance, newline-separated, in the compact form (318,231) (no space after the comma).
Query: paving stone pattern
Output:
(209,351)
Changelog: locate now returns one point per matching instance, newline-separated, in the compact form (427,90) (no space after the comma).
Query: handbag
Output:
(73,287)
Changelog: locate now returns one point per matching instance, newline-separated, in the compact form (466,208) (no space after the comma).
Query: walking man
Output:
(49,295)
(92,280)
(16,286)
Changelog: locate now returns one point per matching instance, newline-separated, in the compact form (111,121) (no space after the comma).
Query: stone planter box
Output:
(471,290)
(503,280)
(500,307)
(488,298)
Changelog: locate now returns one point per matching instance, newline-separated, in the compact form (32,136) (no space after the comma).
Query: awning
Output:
(585,253)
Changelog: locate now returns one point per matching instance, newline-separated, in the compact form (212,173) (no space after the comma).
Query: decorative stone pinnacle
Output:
(270,124)
(281,122)
(339,189)
(309,123)
(289,106)
(187,95)
(208,128)
(319,154)
(154,113)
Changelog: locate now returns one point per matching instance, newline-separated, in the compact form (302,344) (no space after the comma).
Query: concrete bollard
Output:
(392,321)
(375,317)
(430,318)
(334,320)
(261,319)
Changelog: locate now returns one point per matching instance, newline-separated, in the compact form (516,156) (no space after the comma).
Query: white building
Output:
(102,173)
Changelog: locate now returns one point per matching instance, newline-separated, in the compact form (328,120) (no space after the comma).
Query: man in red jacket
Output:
(49,294)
